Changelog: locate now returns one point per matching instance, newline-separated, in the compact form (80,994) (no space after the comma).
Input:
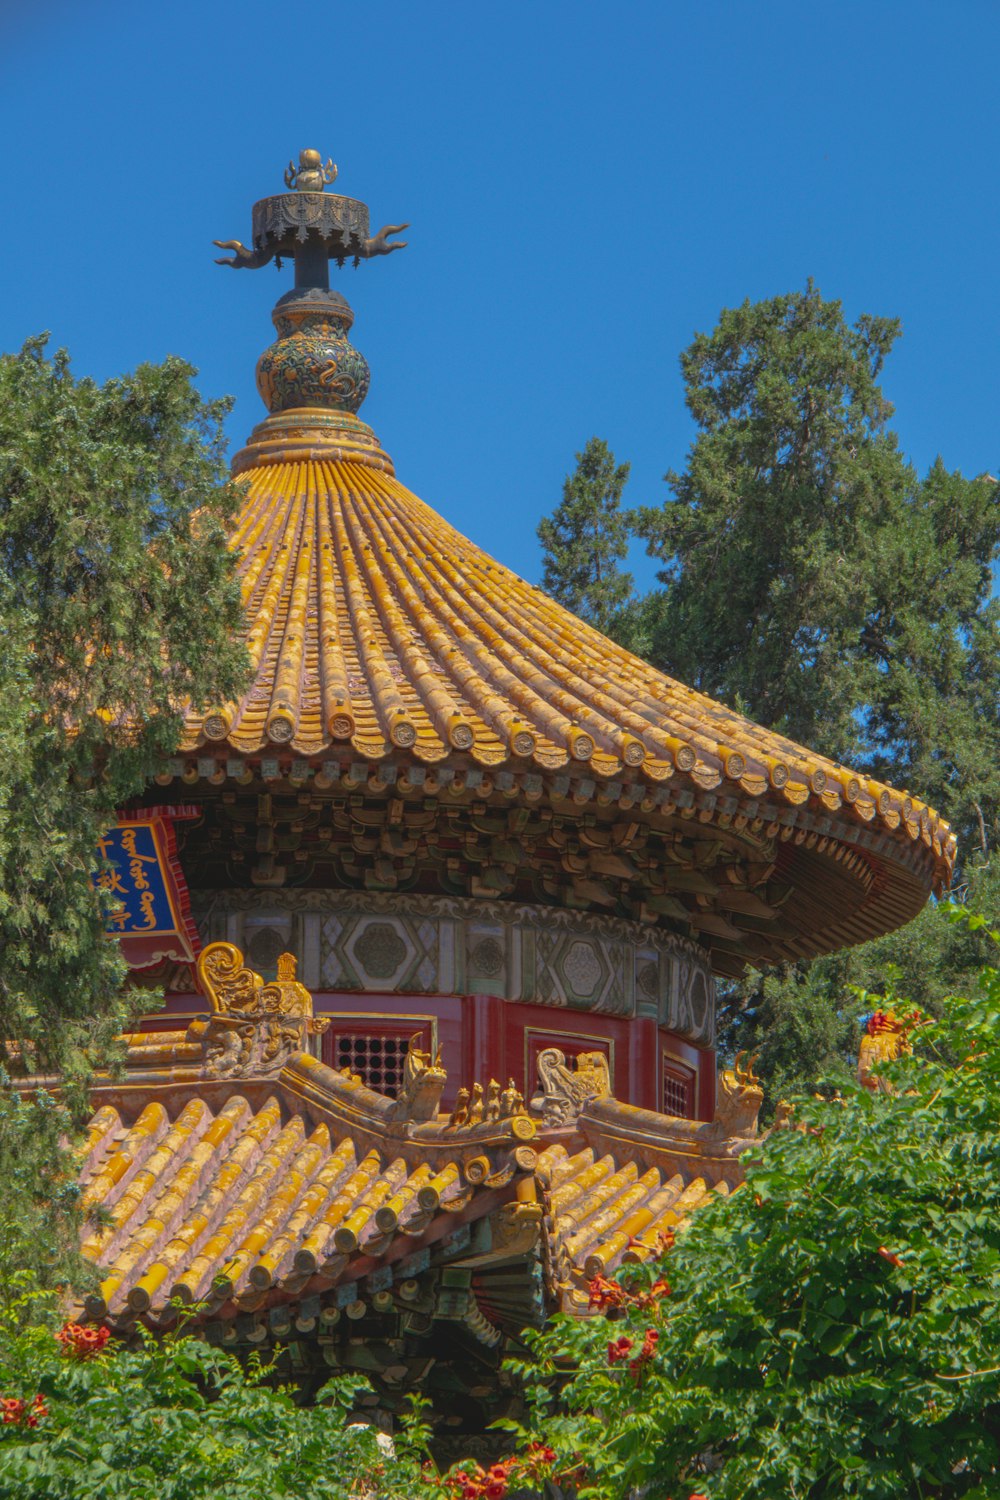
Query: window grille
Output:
(678,1092)
(377,1060)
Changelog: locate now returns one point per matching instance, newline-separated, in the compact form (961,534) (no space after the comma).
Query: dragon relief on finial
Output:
(311,175)
(566,1090)
(739,1099)
(254,1028)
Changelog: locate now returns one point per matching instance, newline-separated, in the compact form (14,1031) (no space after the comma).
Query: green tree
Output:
(585,539)
(831,1329)
(118,605)
(812,580)
(801,1020)
(40,1212)
(175,1419)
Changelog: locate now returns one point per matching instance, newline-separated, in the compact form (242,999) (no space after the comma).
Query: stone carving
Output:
(648,980)
(566,1090)
(487,958)
(582,968)
(254,1028)
(423,1084)
(450,945)
(265,947)
(739,1099)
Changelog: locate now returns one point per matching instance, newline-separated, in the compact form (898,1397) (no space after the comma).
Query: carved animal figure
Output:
(491,1110)
(423,1084)
(476,1104)
(460,1113)
(566,1090)
(740,1097)
(253,1026)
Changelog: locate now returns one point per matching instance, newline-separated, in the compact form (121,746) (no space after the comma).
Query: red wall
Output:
(483,1037)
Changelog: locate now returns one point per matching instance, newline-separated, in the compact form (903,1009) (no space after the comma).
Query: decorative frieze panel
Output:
(385,943)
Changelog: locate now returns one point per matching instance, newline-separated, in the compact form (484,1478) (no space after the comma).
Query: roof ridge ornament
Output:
(311,226)
(254,1028)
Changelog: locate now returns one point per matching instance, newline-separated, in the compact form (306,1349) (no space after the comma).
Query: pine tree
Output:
(586,538)
(118,605)
(812,580)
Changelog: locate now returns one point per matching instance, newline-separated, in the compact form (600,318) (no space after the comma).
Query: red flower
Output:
(605,1294)
(619,1350)
(79,1342)
(17,1413)
(646,1352)
(650,1299)
(894,1260)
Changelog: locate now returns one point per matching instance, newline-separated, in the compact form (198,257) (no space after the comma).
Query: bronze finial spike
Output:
(310,225)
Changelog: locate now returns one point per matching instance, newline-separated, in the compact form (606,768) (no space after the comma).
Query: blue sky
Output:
(588,184)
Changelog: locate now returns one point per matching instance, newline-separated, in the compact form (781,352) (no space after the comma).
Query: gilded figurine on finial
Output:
(311,175)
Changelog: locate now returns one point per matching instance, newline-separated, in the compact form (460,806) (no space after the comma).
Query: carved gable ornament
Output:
(253,1028)
(566,1090)
(740,1097)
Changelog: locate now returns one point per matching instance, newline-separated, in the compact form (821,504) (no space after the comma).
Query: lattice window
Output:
(377,1060)
(677,1096)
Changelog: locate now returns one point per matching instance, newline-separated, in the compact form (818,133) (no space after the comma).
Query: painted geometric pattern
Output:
(428,945)
(588,975)
(379,953)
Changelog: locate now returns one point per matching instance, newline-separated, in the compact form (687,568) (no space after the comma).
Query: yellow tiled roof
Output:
(604,1210)
(373,624)
(238,1195)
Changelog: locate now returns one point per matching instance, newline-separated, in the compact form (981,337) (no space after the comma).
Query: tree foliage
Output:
(586,538)
(40,1213)
(802,1020)
(118,606)
(833,1328)
(175,1419)
(812,579)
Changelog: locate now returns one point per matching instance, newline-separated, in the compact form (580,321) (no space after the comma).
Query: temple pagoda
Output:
(438,1045)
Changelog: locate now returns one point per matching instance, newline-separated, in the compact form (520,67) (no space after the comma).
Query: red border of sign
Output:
(186,930)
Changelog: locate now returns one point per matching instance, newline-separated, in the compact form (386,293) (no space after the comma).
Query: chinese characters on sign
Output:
(140,872)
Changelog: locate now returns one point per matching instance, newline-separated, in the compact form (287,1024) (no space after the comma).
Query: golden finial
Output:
(311,175)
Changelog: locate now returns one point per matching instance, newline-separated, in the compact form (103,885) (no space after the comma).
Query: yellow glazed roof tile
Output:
(238,1201)
(373,626)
